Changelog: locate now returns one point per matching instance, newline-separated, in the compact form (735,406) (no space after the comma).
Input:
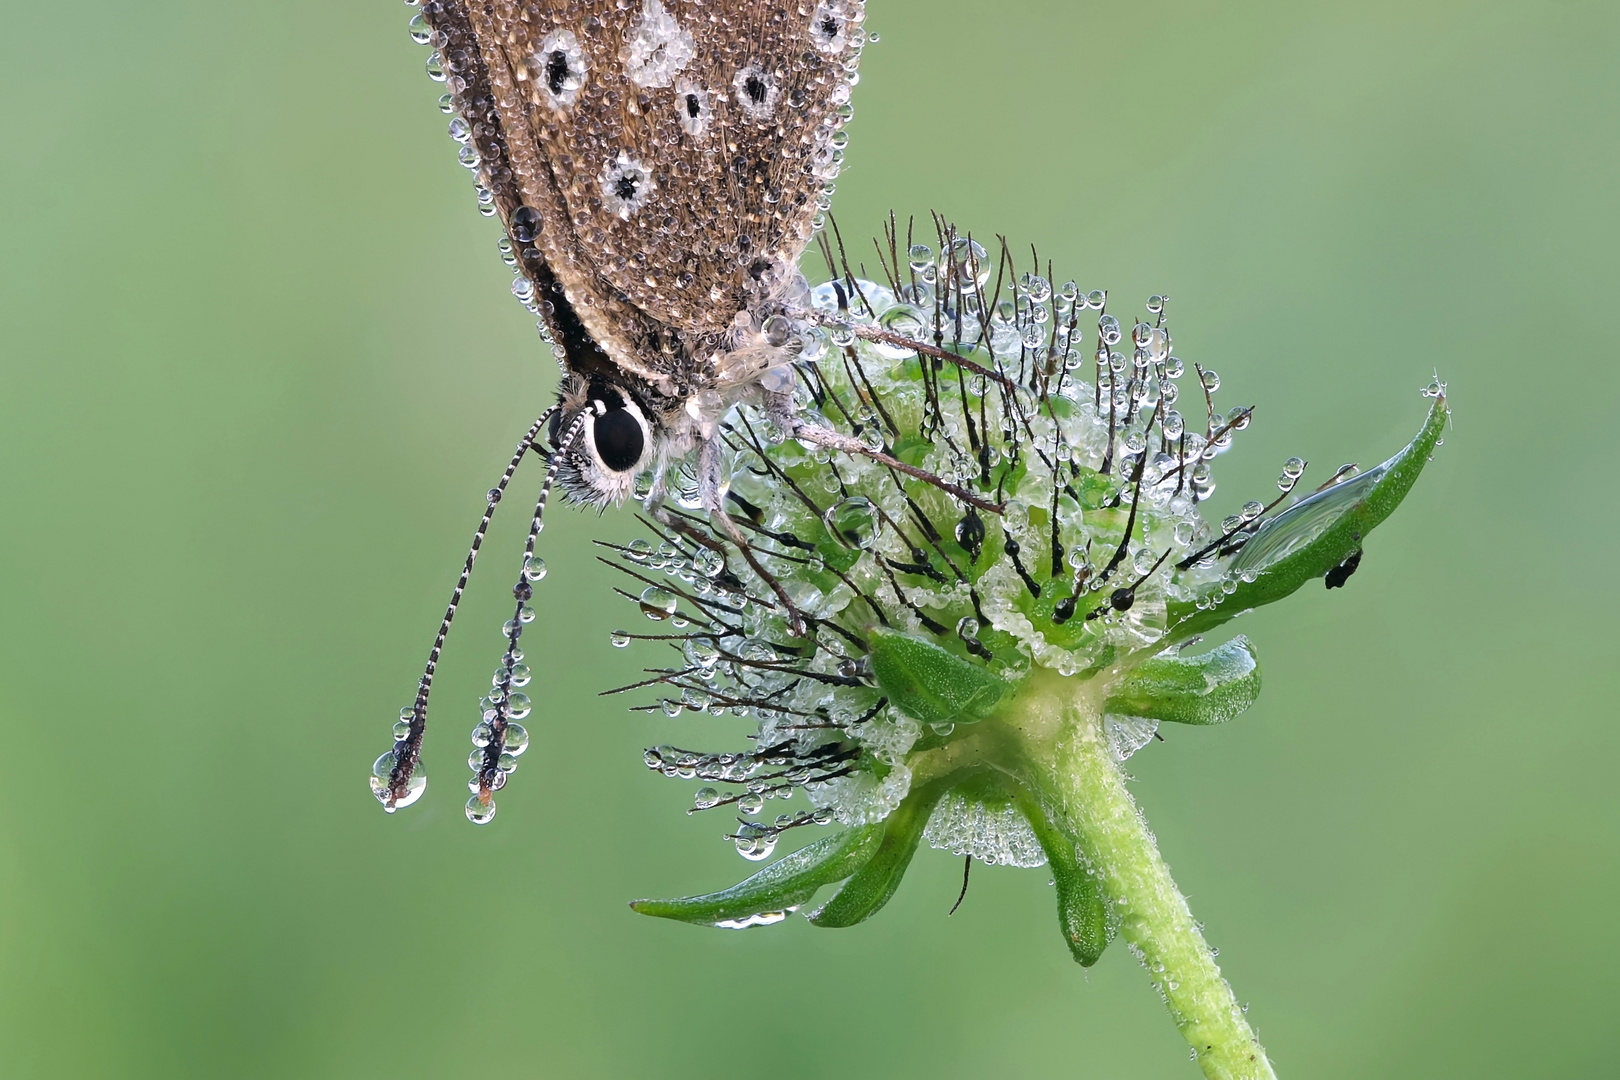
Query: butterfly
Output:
(660,169)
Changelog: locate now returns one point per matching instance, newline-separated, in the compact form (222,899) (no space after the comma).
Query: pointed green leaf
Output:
(873,884)
(786,883)
(929,684)
(1082,915)
(1316,535)
(1208,689)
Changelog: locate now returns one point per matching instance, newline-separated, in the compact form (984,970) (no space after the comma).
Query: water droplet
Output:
(516,739)
(620,638)
(657,602)
(965,260)
(481,734)
(755,843)
(534,568)
(701,651)
(708,563)
(402,729)
(480,810)
(517,706)
(970,534)
(520,675)
(854,521)
(705,798)
(1212,381)
(751,803)
(1035,287)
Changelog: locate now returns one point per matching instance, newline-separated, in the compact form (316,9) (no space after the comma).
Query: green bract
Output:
(927,683)
(769,895)
(1207,689)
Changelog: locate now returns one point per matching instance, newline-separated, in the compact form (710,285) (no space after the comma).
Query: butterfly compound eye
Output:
(619,439)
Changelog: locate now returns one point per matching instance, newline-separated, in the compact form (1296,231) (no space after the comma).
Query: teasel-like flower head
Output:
(1017,499)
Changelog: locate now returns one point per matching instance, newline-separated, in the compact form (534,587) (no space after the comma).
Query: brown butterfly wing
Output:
(671,149)
(510,168)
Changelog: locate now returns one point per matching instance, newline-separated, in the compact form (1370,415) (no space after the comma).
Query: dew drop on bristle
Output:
(516,739)
(657,602)
(480,810)
(853,521)
(382,769)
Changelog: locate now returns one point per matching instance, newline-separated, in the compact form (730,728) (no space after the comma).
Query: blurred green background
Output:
(261,362)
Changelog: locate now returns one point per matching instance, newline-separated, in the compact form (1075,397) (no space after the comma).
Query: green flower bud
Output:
(928,547)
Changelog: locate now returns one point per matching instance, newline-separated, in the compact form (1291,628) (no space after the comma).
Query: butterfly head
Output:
(614,443)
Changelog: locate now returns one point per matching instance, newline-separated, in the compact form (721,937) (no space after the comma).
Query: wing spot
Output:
(626,184)
(692,107)
(656,48)
(558,67)
(829,27)
(556,72)
(756,92)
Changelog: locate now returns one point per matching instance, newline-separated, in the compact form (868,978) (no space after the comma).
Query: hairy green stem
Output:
(1070,764)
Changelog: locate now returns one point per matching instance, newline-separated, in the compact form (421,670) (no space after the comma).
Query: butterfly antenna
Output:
(408,751)
(499,735)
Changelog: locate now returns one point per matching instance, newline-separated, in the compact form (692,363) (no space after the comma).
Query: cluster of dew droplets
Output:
(465,133)
(1094,439)
(382,770)
(722,670)
(994,835)
(461,132)
(498,738)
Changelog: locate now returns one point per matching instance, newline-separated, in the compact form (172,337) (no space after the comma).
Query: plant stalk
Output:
(1075,775)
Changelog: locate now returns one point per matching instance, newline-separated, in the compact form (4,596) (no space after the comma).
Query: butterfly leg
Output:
(835,441)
